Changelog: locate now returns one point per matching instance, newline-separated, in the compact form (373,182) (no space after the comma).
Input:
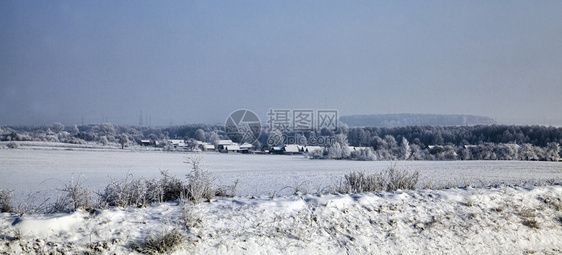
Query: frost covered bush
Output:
(161,243)
(390,179)
(131,192)
(190,217)
(200,182)
(75,197)
(227,191)
(400,179)
(173,188)
(6,201)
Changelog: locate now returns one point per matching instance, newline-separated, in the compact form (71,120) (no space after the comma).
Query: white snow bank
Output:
(50,225)
(501,220)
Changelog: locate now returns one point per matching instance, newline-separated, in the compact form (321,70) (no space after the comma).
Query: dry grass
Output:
(162,243)
(190,217)
(390,179)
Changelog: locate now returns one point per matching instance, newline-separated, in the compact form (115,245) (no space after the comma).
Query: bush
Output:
(6,201)
(173,188)
(132,192)
(401,179)
(76,197)
(143,192)
(390,179)
(227,191)
(201,182)
(13,145)
(166,242)
(190,217)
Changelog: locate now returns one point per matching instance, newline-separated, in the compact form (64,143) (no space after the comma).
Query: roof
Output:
(246,146)
(358,148)
(225,142)
(291,148)
(313,148)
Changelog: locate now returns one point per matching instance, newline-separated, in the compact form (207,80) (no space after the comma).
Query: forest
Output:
(479,142)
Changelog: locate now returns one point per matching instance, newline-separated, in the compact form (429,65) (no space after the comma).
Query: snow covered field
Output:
(502,220)
(46,170)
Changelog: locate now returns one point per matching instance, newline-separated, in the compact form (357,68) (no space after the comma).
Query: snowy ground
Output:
(452,221)
(501,220)
(32,169)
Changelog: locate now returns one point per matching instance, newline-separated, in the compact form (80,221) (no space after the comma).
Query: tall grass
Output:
(390,179)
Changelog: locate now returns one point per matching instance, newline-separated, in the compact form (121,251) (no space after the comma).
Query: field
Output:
(267,217)
(26,171)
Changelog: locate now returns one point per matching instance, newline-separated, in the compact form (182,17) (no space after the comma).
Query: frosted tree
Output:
(104,141)
(527,152)
(123,140)
(553,152)
(464,153)
(405,149)
(334,152)
(415,152)
(75,130)
(341,139)
(213,138)
(508,151)
(391,145)
(449,152)
(57,127)
(199,135)
(367,154)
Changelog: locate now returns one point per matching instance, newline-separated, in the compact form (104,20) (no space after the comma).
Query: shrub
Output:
(13,145)
(6,201)
(166,242)
(139,192)
(227,191)
(190,217)
(401,179)
(201,182)
(173,188)
(357,182)
(76,197)
(388,180)
(143,192)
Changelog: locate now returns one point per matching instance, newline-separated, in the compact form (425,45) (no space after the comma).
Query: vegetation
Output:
(483,142)
(161,243)
(390,179)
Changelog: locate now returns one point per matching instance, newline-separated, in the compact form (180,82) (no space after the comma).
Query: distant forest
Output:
(481,142)
(408,119)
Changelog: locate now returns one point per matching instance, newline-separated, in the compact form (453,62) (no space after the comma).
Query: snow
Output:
(451,221)
(278,212)
(40,172)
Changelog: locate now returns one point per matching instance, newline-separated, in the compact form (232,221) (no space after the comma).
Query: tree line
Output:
(482,142)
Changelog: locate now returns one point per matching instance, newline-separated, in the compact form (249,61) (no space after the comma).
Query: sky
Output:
(186,62)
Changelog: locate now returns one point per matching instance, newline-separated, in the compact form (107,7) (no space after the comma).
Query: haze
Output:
(81,62)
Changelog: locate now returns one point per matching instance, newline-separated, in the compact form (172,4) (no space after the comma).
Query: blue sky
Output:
(197,61)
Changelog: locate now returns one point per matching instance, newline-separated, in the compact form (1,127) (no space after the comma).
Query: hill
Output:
(409,119)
